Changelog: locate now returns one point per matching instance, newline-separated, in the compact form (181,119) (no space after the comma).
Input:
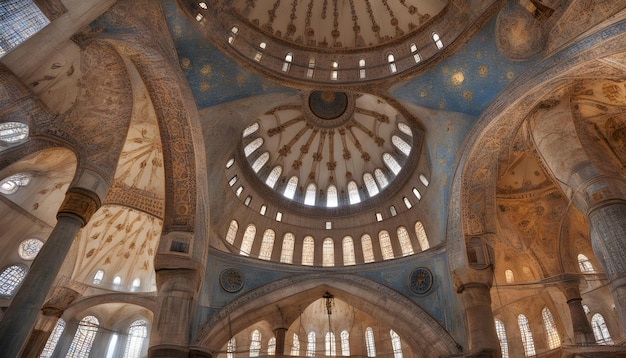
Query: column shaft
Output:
(483,339)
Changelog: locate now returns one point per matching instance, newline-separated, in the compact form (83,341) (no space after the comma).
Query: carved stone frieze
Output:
(79,203)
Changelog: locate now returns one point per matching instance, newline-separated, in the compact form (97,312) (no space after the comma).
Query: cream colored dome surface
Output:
(333,24)
(351,144)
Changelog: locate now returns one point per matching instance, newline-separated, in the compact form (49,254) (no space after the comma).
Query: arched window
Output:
(137,334)
(271,346)
(295,345)
(230,163)
(353,193)
(393,211)
(417,194)
(527,336)
(252,146)
(231,348)
(424,180)
(331,344)
(310,71)
(272,178)
(247,201)
(600,331)
(437,40)
(348,251)
(232,232)
(287,63)
(391,163)
(381,179)
(53,340)
(508,276)
(368,250)
(328,252)
(334,69)
(345,343)
(117,280)
(84,337)
(310,346)
(391,60)
(370,184)
(396,344)
(404,128)
(308,251)
(369,342)
(421,236)
(405,241)
(97,278)
(11,278)
(250,129)
(260,162)
(263,209)
(551,333)
(309,196)
(331,197)
(248,240)
(255,343)
(259,52)
(239,191)
(385,245)
(362,68)
(501,332)
(584,264)
(10,185)
(404,147)
(416,55)
(233,34)
(136,283)
(267,245)
(286,254)
(11,132)
(29,249)
(407,202)
(232,180)
(20,20)
(290,189)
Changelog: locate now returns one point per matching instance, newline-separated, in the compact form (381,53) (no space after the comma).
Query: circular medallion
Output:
(328,104)
(420,280)
(231,280)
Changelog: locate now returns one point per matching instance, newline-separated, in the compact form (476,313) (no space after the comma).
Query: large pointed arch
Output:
(419,330)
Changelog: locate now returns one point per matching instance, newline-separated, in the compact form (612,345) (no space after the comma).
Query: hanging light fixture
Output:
(329,299)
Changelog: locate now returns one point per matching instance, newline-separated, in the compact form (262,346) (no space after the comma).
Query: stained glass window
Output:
(232,232)
(272,178)
(421,236)
(328,252)
(345,343)
(331,197)
(255,343)
(295,345)
(405,241)
(20,20)
(330,344)
(267,245)
(348,251)
(584,264)
(391,163)
(368,250)
(310,346)
(286,255)
(84,337)
(600,331)
(385,245)
(248,240)
(311,192)
(271,346)
(404,147)
(252,146)
(353,193)
(53,340)
(251,129)
(10,185)
(504,344)
(527,336)
(97,278)
(137,334)
(260,161)
(396,344)
(290,189)
(308,250)
(370,184)
(381,179)
(369,342)
(11,132)
(551,333)
(11,278)
(29,248)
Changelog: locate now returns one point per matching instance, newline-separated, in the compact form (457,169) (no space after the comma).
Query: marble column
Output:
(583,333)
(52,310)
(20,317)
(280,340)
(177,300)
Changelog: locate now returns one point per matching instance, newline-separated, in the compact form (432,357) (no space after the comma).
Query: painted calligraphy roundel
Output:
(420,280)
(231,280)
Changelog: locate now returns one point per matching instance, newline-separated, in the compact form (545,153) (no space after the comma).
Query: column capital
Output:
(80,204)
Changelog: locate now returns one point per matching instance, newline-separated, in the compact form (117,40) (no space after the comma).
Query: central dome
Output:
(330,150)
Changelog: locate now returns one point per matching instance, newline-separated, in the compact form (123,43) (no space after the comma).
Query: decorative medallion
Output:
(420,280)
(231,280)
(328,109)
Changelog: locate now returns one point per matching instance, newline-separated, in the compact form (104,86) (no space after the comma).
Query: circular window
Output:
(11,132)
(11,184)
(29,249)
